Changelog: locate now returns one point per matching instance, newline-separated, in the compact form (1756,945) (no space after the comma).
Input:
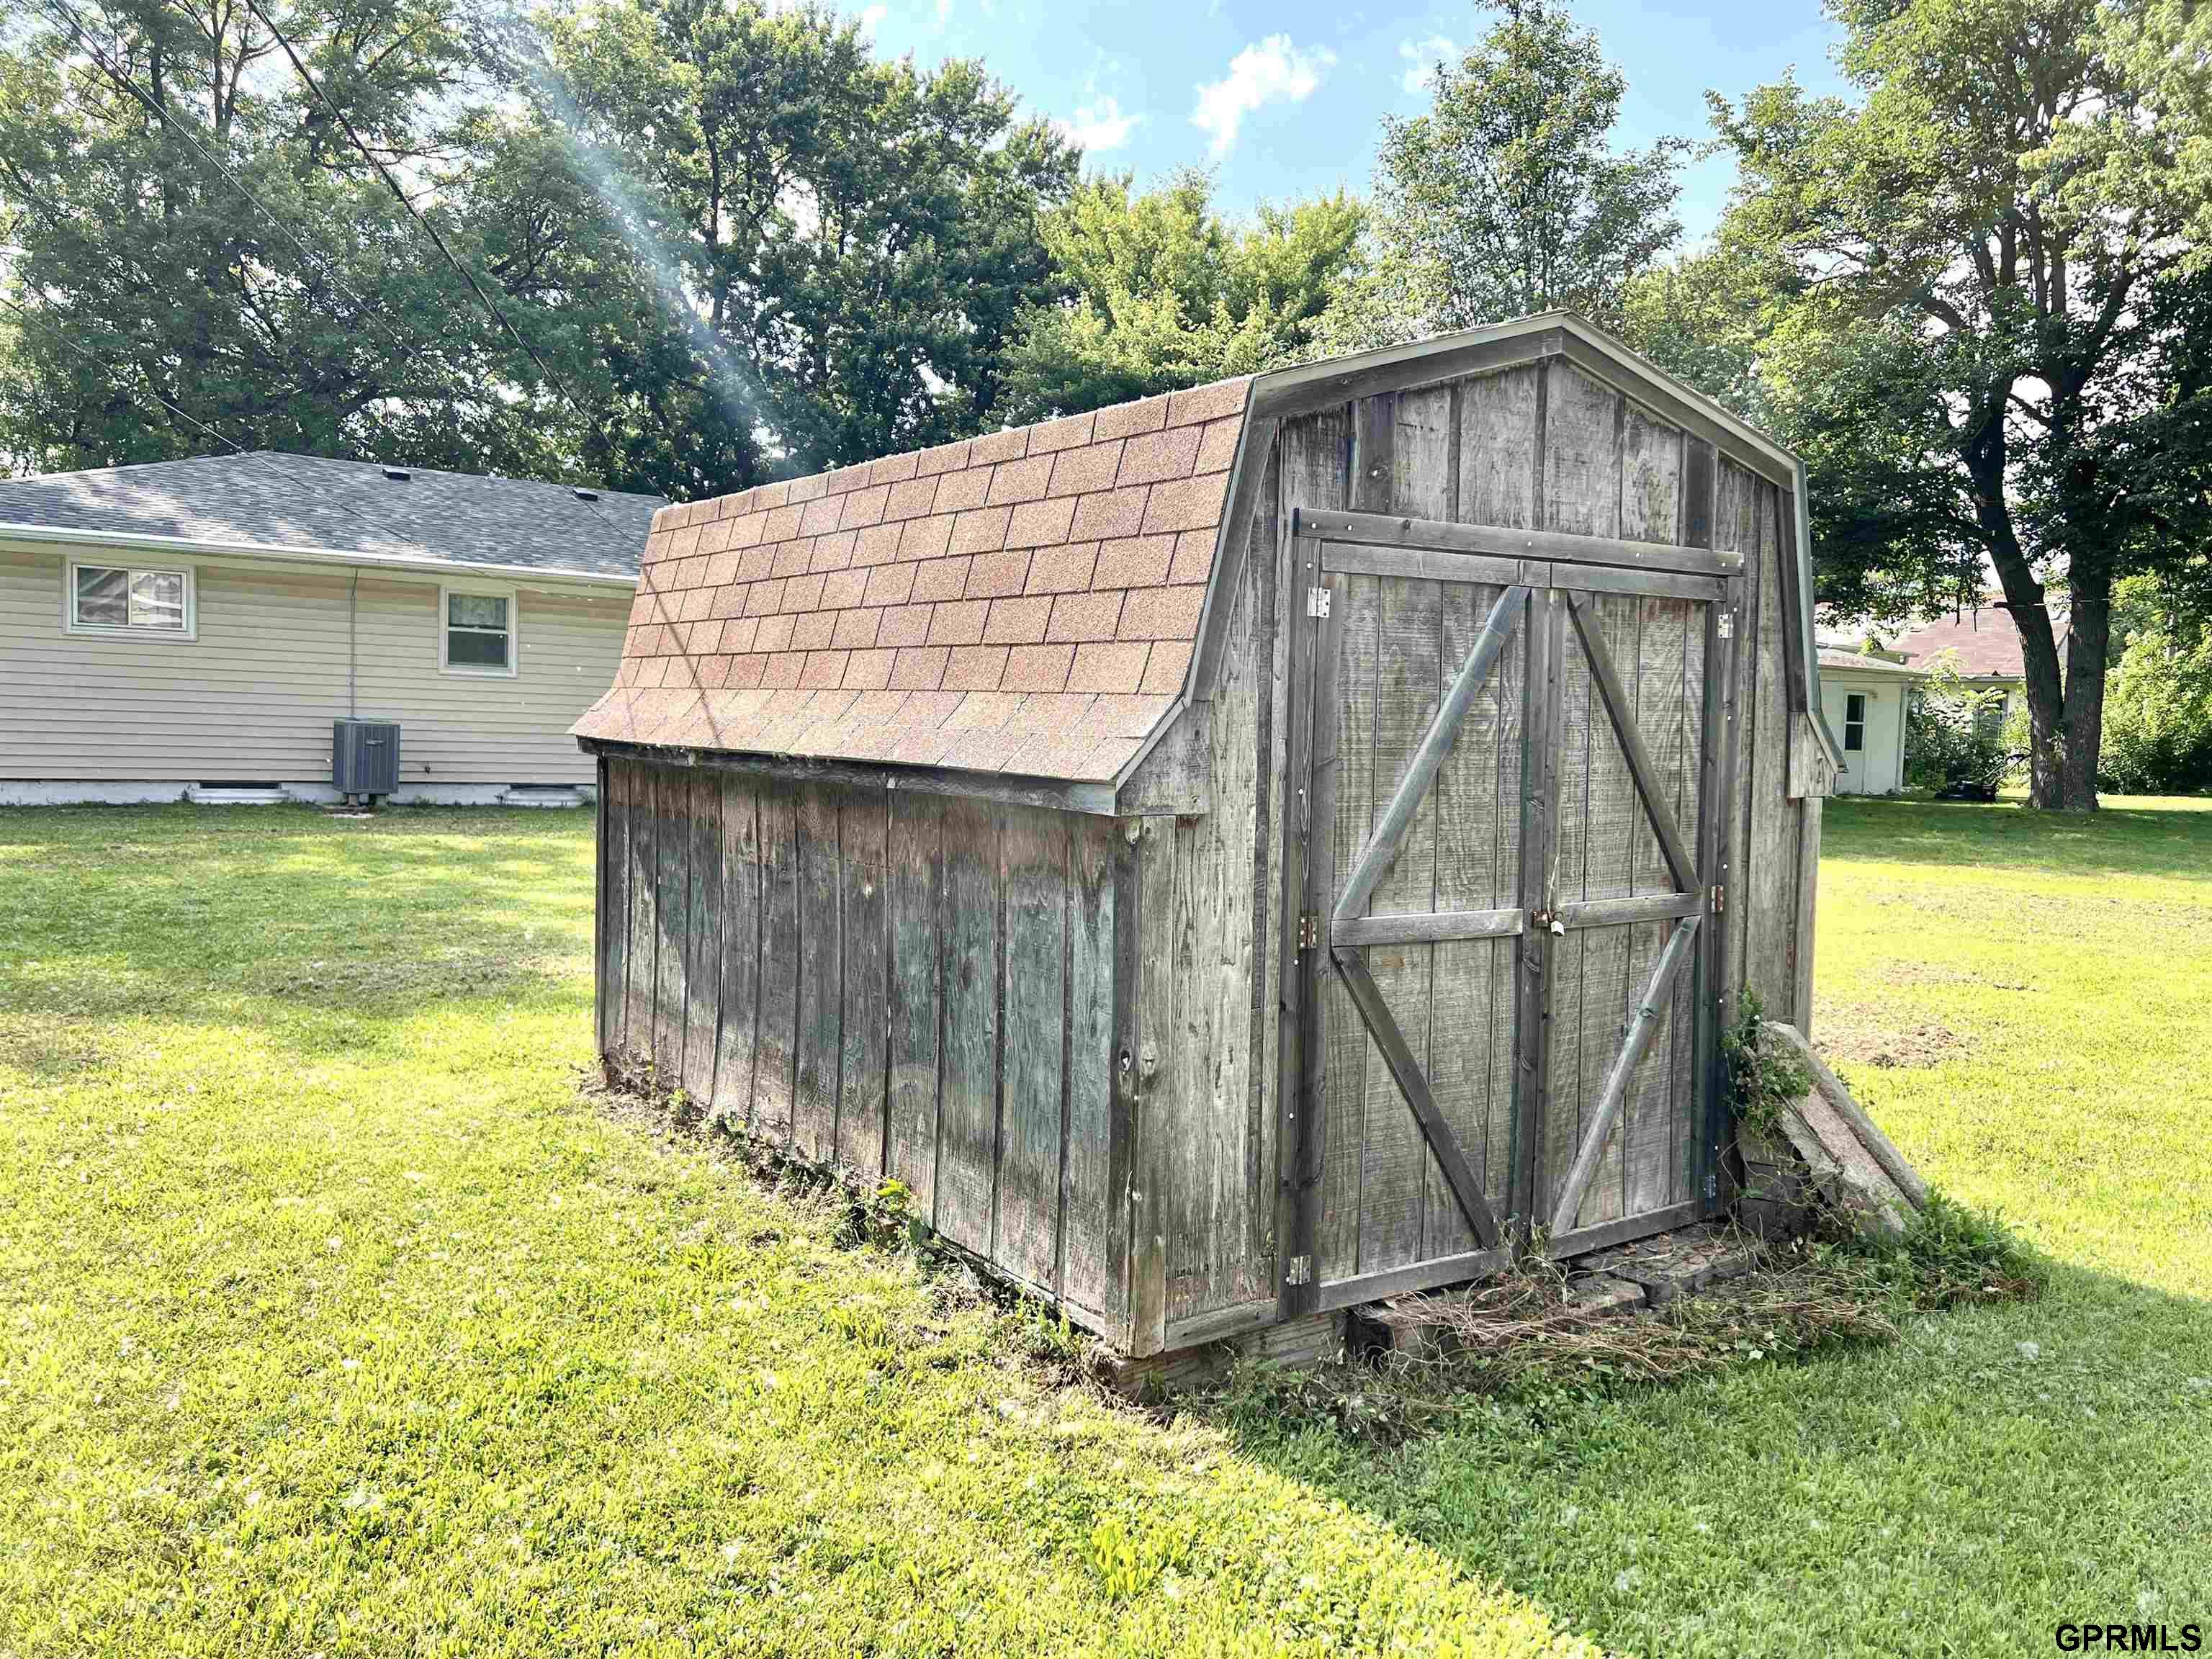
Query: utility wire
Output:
(121,76)
(399,194)
(265,456)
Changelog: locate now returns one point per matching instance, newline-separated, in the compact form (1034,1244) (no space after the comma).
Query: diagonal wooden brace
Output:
(1351,968)
(1631,742)
(1381,848)
(1641,1030)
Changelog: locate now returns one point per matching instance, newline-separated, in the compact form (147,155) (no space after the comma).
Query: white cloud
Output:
(1272,71)
(872,19)
(943,11)
(1422,58)
(1100,125)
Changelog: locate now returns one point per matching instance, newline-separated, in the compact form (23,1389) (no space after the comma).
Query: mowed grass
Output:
(335,1321)
(2047,983)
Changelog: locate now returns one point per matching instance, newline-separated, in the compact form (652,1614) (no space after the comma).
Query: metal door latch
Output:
(1547,921)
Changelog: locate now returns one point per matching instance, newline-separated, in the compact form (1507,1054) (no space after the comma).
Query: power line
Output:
(121,76)
(399,194)
(265,456)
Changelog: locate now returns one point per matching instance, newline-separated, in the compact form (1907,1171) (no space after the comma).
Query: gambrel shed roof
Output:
(1035,605)
(1024,603)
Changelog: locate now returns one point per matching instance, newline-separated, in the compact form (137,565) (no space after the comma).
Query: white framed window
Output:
(136,600)
(1855,708)
(477,631)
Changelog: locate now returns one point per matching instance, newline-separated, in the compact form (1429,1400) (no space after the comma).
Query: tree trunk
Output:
(2038,645)
(2088,650)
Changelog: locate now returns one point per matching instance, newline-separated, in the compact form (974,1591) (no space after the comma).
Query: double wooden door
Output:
(1505,841)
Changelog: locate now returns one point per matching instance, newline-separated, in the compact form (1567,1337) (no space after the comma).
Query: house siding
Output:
(1878,768)
(252,697)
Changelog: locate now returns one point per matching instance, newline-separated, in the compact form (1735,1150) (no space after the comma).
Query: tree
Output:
(1987,347)
(859,237)
(1508,197)
(2157,717)
(1162,294)
(289,305)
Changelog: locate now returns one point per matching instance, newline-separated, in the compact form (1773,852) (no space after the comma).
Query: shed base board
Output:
(1312,1339)
(154,792)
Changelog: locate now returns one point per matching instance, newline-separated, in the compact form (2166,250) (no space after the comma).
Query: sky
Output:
(1284,99)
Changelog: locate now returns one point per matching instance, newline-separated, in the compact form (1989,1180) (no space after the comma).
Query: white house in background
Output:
(1864,699)
(192,629)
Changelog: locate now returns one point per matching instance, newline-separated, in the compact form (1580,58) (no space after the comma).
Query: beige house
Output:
(192,629)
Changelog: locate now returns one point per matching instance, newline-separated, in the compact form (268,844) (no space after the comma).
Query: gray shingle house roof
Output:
(270,499)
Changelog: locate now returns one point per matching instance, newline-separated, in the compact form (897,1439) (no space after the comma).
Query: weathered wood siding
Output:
(907,987)
(1774,867)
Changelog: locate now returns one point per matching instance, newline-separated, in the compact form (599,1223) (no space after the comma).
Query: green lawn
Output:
(333,1319)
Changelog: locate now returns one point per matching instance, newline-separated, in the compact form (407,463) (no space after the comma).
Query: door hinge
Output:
(1712,1186)
(1720,897)
(1298,1270)
(1727,624)
(1316,601)
(1308,931)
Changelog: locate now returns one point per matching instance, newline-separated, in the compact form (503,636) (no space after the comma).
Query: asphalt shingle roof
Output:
(271,499)
(1025,603)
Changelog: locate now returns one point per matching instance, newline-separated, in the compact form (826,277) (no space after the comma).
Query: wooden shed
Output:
(1243,852)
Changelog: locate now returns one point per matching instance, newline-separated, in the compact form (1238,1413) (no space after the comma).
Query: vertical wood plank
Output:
(1123,1125)
(702,966)
(1399,462)
(643,975)
(1154,1129)
(821,985)
(967,1162)
(1354,623)
(775,1083)
(1313,472)
(1770,878)
(1034,878)
(1582,458)
(1497,448)
(741,950)
(1086,1262)
(614,903)
(916,877)
(672,911)
(864,1025)
(1663,716)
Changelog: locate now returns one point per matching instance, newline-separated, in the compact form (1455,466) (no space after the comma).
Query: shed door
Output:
(1505,861)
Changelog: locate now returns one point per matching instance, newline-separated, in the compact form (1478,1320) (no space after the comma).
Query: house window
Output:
(477,634)
(1854,722)
(116,598)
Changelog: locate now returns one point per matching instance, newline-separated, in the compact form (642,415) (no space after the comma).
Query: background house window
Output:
(1854,722)
(479,632)
(127,599)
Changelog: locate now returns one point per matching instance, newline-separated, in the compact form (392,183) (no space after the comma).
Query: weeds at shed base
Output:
(1525,1336)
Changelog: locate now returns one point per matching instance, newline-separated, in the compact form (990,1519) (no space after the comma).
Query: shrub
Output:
(2157,712)
(1953,735)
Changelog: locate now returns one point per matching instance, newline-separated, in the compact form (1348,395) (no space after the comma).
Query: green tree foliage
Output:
(1507,195)
(2158,706)
(1162,294)
(861,236)
(328,324)
(1983,335)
